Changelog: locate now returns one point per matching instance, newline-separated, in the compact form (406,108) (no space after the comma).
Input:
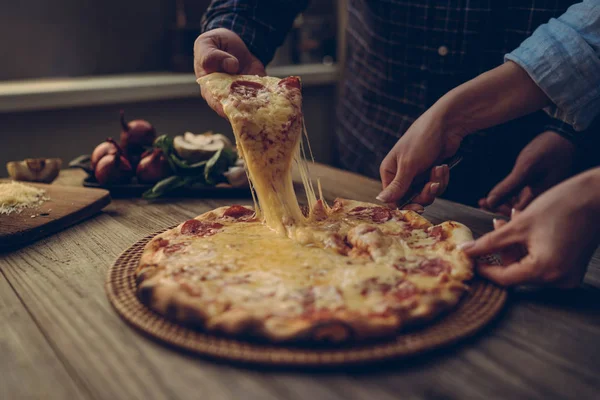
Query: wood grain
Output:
(27,356)
(546,345)
(66,205)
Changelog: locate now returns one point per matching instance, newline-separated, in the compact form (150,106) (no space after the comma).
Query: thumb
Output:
(497,240)
(397,187)
(507,188)
(215,60)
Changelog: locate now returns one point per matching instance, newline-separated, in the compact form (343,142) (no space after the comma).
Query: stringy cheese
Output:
(15,196)
(268,131)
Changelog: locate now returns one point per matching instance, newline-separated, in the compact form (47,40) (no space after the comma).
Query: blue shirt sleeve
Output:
(563,59)
(262,24)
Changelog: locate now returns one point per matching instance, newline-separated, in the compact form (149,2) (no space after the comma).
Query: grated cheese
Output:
(15,196)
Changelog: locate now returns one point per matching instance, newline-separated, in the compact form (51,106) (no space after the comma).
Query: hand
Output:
(440,176)
(546,161)
(221,50)
(551,241)
(424,144)
(494,97)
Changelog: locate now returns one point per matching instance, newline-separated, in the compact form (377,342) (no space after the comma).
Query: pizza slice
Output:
(266,116)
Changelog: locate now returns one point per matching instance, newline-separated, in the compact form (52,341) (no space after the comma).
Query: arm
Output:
(565,79)
(261,24)
(563,59)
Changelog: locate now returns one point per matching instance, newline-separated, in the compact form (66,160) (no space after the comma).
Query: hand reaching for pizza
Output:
(543,163)
(551,241)
(424,144)
(221,50)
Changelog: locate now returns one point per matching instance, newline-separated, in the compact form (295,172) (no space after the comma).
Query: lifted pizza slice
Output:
(266,116)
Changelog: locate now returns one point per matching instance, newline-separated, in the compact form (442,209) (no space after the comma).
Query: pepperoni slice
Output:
(159,243)
(337,242)
(438,232)
(378,215)
(381,214)
(292,82)
(238,212)
(434,267)
(246,88)
(404,291)
(200,228)
(173,248)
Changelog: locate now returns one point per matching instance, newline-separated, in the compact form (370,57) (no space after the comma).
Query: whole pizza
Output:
(346,271)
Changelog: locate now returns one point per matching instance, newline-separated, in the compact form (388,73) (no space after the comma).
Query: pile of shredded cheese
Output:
(15,196)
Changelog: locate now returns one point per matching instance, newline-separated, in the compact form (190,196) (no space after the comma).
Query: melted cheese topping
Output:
(250,267)
(15,196)
(266,117)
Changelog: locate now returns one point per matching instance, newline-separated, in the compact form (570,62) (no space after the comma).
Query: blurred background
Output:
(69,66)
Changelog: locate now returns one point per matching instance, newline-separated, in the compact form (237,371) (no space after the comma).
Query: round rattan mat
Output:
(478,307)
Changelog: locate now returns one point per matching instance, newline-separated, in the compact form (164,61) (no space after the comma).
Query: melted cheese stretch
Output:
(268,126)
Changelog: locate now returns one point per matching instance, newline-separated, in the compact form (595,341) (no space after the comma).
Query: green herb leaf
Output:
(165,143)
(166,185)
(217,165)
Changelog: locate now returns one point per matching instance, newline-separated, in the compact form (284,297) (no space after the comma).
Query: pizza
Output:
(281,272)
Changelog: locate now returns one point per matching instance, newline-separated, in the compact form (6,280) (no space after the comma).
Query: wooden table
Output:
(61,339)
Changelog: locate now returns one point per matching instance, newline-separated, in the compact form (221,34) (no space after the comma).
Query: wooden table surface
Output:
(61,339)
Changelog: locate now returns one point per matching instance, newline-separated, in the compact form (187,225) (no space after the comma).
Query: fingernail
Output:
(439,172)
(434,188)
(466,245)
(495,222)
(513,211)
(230,65)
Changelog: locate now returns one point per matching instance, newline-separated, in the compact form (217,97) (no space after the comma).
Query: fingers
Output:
(507,188)
(414,207)
(440,176)
(215,60)
(525,197)
(395,189)
(387,170)
(210,55)
(497,240)
(517,273)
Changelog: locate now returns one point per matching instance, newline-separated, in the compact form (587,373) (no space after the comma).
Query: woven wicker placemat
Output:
(478,307)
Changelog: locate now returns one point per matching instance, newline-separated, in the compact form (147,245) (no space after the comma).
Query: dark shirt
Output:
(402,56)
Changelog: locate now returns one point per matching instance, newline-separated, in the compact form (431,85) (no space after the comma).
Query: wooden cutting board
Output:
(66,206)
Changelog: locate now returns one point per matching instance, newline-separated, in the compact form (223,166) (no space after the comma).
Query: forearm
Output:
(497,96)
(590,180)
(563,58)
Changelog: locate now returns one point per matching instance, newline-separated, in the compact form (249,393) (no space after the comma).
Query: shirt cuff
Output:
(563,129)
(566,68)
(253,38)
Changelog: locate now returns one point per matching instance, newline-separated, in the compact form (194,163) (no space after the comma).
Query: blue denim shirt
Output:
(563,58)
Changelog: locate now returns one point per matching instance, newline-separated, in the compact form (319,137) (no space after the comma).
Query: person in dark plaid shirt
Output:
(402,56)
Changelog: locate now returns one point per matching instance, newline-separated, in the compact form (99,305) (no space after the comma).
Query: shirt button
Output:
(443,51)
